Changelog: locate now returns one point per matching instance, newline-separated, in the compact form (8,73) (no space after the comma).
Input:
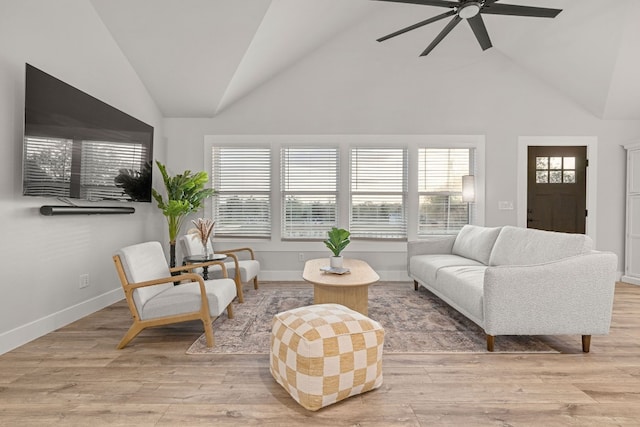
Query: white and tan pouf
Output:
(324,353)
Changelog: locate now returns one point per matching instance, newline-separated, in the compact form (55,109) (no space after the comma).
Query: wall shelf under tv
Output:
(50,210)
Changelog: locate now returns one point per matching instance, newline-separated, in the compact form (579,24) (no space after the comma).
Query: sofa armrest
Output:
(569,296)
(431,245)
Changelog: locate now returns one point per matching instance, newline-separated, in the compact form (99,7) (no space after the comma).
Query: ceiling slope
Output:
(199,57)
(580,55)
(185,52)
(290,30)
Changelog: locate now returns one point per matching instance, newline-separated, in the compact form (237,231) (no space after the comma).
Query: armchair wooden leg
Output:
(239,290)
(255,282)
(230,311)
(208,332)
(586,343)
(415,285)
(133,331)
(490,342)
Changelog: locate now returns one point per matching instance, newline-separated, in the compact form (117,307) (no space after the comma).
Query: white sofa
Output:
(519,281)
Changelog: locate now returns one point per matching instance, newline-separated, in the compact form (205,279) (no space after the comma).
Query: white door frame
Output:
(591,142)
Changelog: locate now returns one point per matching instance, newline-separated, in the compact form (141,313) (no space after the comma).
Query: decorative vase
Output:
(205,251)
(335,262)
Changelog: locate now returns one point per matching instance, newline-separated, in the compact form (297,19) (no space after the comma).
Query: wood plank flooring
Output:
(75,376)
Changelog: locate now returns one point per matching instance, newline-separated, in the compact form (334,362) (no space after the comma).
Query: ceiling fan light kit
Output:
(471,11)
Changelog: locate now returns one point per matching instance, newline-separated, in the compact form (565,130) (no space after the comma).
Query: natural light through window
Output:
(378,193)
(309,191)
(440,172)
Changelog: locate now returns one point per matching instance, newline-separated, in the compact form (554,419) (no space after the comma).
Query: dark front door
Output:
(557,188)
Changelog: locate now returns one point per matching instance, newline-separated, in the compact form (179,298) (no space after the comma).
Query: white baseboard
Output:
(630,279)
(25,333)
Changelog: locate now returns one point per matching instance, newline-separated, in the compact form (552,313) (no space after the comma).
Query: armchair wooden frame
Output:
(231,253)
(203,314)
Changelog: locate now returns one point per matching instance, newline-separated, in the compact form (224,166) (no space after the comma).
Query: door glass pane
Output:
(569,177)
(555,163)
(569,163)
(542,177)
(542,163)
(555,177)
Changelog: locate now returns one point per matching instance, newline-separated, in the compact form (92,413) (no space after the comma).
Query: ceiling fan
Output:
(472,11)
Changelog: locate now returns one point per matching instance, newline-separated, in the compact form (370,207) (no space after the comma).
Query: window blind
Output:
(241,177)
(378,193)
(440,172)
(309,181)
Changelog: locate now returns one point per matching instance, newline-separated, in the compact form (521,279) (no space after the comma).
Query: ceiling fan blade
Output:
(516,10)
(439,3)
(418,25)
(477,25)
(455,21)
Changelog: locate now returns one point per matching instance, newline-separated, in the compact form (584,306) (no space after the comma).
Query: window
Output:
(440,172)
(309,184)
(242,179)
(555,170)
(378,193)
(291,189)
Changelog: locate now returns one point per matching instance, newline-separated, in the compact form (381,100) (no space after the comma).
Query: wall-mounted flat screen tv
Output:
(76,146)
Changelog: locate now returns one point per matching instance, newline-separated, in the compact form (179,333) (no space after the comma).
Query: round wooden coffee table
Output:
(350,289)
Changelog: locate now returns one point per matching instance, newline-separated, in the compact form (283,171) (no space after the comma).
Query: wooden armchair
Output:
(243,266)
(154,300)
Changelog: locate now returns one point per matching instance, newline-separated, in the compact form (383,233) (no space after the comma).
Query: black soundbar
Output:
(50,210)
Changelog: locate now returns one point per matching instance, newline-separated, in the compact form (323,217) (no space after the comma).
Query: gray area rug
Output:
(414,322)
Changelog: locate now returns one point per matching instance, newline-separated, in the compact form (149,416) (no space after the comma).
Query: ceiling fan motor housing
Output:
(469,9)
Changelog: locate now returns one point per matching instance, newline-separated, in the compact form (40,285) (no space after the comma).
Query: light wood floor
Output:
(75,376)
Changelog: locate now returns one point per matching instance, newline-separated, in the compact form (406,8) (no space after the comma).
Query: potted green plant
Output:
(338,239)
(186,193)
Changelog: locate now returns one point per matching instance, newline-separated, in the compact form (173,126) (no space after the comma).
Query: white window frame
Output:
(345,142)
(308,192)
(211,206)
(402,193)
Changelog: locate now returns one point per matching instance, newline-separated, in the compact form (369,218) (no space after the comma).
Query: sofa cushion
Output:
(526,246)
(475,242)
(426,267)
(463,288)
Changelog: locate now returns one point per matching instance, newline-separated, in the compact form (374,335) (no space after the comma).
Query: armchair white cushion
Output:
(241,269)
(154,300)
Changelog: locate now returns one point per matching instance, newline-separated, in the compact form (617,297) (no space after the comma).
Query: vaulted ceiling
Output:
(198,57)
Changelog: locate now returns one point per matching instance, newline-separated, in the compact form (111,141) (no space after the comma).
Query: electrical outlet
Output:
(300,256)
(84,281)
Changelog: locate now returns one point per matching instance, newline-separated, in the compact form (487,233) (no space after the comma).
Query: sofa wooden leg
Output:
(415,285)
(490,342)
(586,343)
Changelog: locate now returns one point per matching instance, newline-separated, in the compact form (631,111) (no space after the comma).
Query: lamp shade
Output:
(469,188)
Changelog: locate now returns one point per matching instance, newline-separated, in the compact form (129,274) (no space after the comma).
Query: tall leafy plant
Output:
(186,193)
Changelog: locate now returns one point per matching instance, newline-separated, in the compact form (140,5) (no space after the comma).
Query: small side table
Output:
(197,259)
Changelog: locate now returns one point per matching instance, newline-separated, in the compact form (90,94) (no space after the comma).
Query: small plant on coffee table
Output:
(338,239)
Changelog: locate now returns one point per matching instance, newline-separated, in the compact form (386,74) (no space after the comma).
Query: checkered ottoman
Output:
(324,353)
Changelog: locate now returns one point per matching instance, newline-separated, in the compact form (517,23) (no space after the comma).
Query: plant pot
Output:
(335,262)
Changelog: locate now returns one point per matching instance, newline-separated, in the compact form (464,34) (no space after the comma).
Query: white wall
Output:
(42,257)
(341,89)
